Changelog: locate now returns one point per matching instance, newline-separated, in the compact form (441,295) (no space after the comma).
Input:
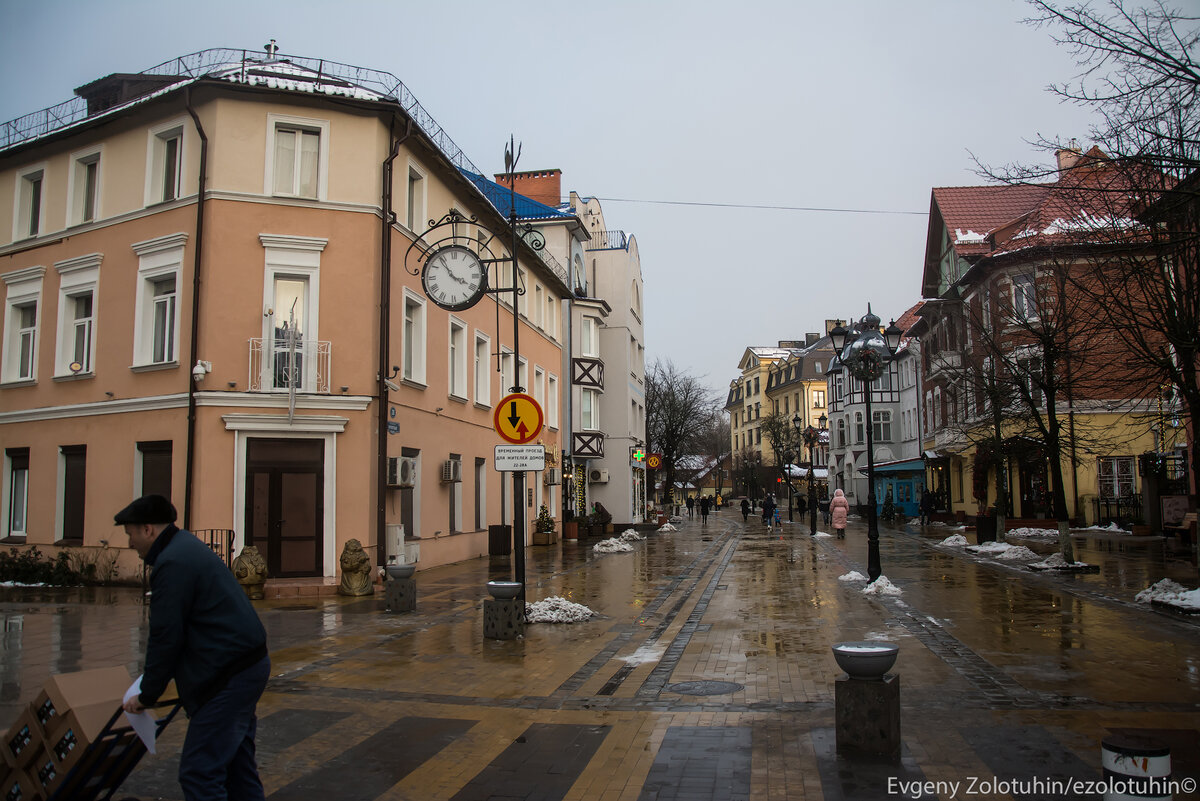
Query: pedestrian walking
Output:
(926,507)
(705,503)
(745,510)
(768,511)
(839,509)
(204,634)
(691,503)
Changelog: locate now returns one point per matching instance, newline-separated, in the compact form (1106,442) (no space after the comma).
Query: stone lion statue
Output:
(250,569)
(356,570)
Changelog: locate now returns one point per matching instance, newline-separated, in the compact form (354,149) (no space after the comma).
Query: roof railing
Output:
(320,73)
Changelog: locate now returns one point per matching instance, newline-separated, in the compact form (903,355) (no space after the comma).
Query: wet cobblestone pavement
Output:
(706,675)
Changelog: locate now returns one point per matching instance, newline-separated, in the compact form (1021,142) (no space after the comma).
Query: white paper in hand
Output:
(143,723)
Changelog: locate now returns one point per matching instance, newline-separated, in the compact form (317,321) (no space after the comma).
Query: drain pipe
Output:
(385,291)
(198,252)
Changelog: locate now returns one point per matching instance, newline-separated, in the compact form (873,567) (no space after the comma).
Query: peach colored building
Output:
(193,261)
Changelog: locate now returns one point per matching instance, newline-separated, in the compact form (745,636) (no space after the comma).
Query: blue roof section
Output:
(502,199)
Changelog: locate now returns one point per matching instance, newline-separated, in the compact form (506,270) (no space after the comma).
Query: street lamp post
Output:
(866,353)
(811,437)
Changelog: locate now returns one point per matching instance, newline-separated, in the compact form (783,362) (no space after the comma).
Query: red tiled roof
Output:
(971,212)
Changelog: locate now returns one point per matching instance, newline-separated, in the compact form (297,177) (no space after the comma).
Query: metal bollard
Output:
(1136,768)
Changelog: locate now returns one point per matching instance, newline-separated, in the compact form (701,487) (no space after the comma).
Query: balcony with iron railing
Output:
(607,240)
(275,71)
(273,364)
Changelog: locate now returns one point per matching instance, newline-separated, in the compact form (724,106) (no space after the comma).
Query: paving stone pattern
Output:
(707,673)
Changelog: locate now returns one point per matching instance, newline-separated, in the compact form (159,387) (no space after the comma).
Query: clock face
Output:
(454,278)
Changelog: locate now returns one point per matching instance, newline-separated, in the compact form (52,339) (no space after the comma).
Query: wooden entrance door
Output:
(285,508)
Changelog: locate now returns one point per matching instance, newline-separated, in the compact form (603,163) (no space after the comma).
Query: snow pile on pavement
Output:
(1171,592)
(674,519)
(1033,533)
(1002,550)
(881,586)
(1055,561)
(954,541)
(612,545)
(939,524)
(1113,527)
(631,535)
(853,575)
(667,527)
(19,584)
(823,534)
(557,609)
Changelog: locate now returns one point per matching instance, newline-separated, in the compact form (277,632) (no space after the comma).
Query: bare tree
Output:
(679,408)
(1139,71)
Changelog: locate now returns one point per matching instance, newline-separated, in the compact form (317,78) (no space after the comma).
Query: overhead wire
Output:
(759,206)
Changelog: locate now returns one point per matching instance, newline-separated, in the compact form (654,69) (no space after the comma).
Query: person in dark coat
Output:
(705,504)
(745,510)
(691,503)
(768,510)
(926,507)
(204,634)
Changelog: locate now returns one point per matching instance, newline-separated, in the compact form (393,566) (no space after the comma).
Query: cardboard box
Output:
(21,741)
(72,690)
(79,728)
(18,786)
(43,773)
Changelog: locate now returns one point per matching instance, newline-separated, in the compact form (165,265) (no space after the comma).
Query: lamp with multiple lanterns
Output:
(866,353)
(811,436)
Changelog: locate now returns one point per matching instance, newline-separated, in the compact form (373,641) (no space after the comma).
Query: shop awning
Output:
(901,466)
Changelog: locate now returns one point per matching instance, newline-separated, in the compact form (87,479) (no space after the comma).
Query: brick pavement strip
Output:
(1004,675)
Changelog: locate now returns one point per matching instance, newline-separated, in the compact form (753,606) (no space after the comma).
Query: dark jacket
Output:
(203,628)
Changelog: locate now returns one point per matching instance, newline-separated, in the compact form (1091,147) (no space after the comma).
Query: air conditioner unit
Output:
(550,476)
(598,476)
(395,542)
(452,470)
(402,471)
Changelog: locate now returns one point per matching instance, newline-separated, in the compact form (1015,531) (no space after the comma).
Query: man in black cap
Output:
(204,634)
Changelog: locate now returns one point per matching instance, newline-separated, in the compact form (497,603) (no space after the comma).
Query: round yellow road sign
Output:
(518,418)
(654,461)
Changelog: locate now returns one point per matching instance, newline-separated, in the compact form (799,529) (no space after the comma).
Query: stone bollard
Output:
(504,612)
(400,589)
(866,701)
(1136,768)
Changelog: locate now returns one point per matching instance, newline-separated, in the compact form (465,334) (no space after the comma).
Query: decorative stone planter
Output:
(402,571)
(868,660)
(504,590)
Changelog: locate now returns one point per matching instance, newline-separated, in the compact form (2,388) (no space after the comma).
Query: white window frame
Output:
(551,407)
(158,259)
(539,387)
(523,376)
(156,161)
(23,227)
(589,337)
(539,307)
(413,361)
(551,326)
(415,196)
(6,505)
(297,258)
(277,122)
(456,358)
(77,277)
(77,186)
(507,378)
(483,365)
(1024,288)
(881,426)
(24,288)
(1113,473)
(589,410)
(859,431)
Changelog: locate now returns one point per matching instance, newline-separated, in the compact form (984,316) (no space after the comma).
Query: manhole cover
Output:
(704,688)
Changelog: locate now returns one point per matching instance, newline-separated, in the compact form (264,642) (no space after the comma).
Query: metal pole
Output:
(812,492)
(518,477)
(873,568)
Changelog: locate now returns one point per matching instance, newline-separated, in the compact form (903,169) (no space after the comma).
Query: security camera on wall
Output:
(392,385)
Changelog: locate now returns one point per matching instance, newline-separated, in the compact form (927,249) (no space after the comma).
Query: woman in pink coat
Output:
(839,507)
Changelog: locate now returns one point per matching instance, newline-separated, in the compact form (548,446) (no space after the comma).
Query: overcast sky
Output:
(834,105)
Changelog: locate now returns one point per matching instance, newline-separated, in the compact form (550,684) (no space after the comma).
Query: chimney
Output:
(810,339)
(544,186)
(1068,157)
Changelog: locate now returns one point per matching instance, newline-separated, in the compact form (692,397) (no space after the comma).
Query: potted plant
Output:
(543,527)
